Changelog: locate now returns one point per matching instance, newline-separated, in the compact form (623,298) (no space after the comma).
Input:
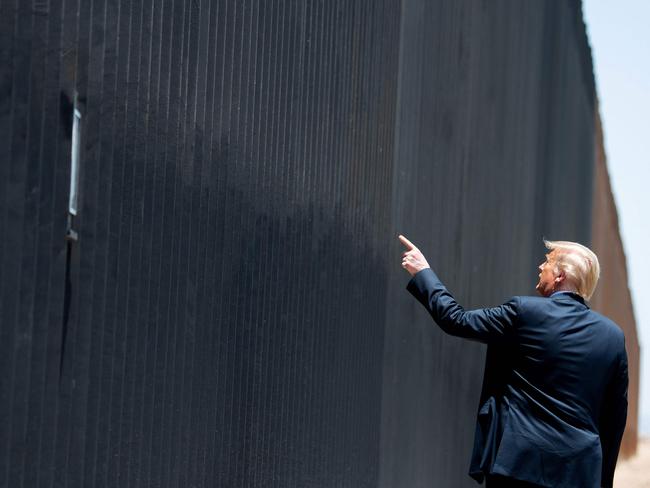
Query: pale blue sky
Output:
(619,34)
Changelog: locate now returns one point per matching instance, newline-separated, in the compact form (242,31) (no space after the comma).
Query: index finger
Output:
(406,242)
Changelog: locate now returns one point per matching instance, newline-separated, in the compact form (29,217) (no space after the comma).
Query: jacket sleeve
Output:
(612,419)
(486,325)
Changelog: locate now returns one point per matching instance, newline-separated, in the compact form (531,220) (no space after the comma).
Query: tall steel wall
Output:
(612,296)
(233,312)
(494,150)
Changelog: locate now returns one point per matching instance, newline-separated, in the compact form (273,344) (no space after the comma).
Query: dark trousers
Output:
(498,481)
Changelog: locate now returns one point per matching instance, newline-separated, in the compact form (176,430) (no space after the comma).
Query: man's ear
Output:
(560,277)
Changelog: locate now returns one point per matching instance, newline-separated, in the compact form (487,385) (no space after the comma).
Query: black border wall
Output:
(228,307)
(493,151)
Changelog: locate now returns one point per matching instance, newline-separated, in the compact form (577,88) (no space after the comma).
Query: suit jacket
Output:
(554,400)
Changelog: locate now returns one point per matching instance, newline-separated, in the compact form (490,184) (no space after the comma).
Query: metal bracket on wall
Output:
(71,234)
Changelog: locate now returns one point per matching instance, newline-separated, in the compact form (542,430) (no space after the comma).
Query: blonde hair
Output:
(579,264)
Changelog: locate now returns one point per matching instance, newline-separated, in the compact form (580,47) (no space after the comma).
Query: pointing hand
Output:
(412,259)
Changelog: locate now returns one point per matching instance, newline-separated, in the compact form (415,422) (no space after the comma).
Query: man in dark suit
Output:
(554,401)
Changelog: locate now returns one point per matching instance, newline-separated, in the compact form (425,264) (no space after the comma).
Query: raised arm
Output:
(486,325)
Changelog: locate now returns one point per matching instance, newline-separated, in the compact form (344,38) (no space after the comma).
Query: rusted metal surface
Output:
(612,296)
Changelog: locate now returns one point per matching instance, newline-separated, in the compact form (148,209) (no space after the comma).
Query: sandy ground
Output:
(635,471)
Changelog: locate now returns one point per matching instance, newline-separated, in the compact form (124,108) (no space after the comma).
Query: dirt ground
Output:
(635,471)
